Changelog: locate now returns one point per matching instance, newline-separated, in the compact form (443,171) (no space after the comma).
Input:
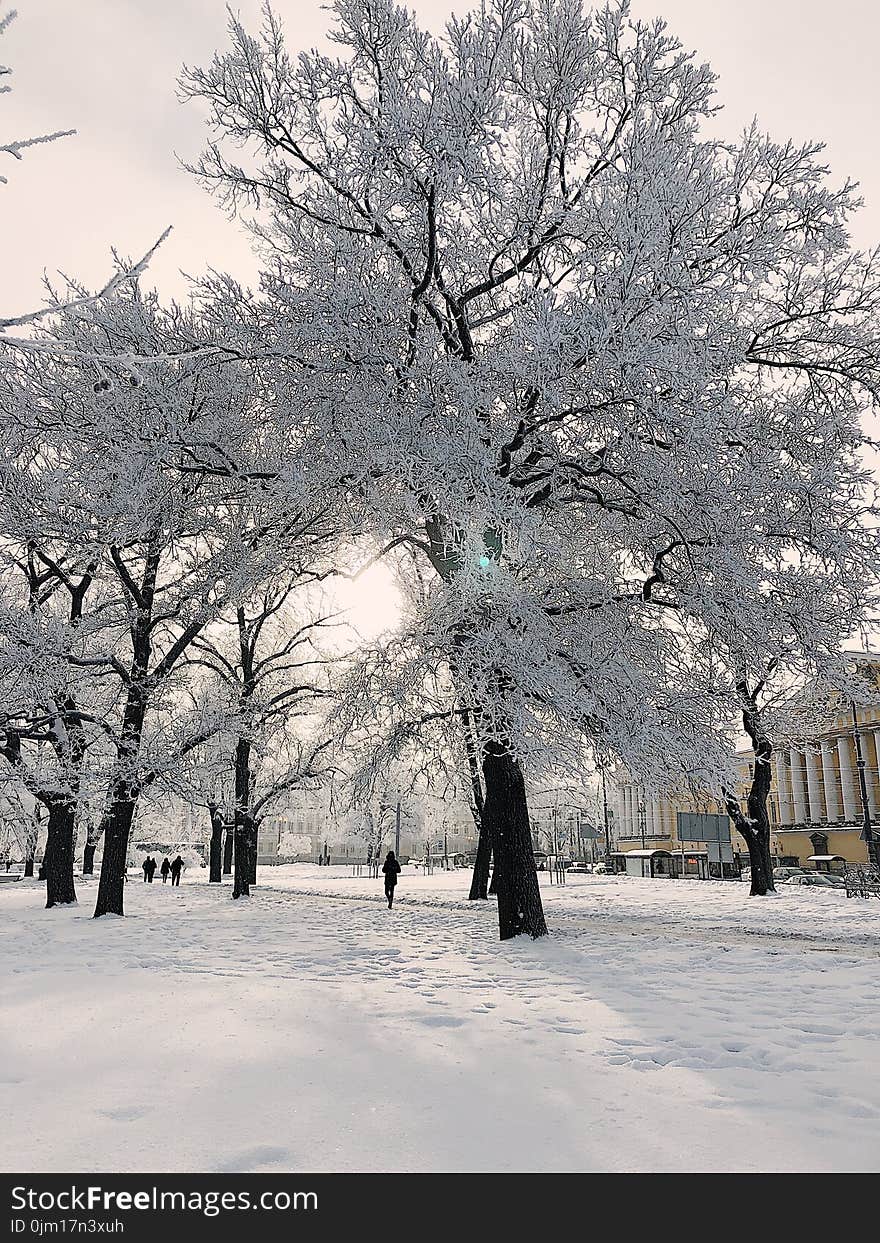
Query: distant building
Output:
(815,803)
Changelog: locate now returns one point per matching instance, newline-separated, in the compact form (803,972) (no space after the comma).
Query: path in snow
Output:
(301,1032)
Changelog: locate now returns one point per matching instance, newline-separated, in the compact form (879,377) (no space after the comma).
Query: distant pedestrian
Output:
(391,868)
(165,869)
(146,867)
(176,869)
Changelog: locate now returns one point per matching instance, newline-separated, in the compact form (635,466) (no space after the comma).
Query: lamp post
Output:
(605,819)
(642,814)
(867,828)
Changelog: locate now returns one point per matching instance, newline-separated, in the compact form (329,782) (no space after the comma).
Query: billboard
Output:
(698,826)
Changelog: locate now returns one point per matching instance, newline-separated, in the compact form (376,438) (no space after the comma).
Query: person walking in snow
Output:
(165,869)
(176,869)
(391,868)
(146,866)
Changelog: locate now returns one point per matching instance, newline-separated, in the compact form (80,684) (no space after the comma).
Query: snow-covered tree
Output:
(540,319)
(273,674)
(99,476)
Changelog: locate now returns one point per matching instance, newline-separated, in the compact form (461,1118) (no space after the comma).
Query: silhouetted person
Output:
(176,869)
(391,868)
(149,866)
(165,869)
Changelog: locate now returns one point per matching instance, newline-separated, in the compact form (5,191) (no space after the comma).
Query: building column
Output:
(870,756)
(783,787)
(848,778)
(656,818)
(831,782)
(798,792)
(814,786)
(875,740)
(615,806)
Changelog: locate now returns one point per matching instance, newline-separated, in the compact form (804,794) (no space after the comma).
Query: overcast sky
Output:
(806,68)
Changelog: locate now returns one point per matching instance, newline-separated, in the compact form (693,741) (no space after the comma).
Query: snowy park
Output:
(439,589)
(656,1029)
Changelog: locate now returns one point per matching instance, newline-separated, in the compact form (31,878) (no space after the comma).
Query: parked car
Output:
(579,866)
(821,880)
(785,871)
(601,869)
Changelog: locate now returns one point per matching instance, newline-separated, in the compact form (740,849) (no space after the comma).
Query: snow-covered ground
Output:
(662,1026)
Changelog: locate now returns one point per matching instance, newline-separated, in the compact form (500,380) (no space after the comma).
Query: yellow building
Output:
(815,805)
(816,797)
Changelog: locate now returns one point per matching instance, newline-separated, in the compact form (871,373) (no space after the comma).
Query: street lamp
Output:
(605,818)
(867,829)
(642,815)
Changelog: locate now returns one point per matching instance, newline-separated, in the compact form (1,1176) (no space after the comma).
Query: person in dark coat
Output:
(152,869)
(176,869)
(165,869)
(391,868)
(146,866)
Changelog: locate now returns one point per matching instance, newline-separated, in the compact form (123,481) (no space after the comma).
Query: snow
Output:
(661,1026)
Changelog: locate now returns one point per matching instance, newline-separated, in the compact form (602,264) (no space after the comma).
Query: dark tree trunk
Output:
(759,858)
(754,827)
(89,859)
(215,856)
(480,878)
(245,856)
(93,836)
(58,859)
(29,861)
(245,827)
(506,815)
(111,886)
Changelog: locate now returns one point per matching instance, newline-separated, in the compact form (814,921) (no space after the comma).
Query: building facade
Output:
(815,806)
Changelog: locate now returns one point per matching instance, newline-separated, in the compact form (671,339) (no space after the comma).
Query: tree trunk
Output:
(89,859)
(58,859)
(111,886)
(215,855)
(480,878)
(754,826)
(29,861)
(245,828)
(759,858)
(506,815)
(244,856)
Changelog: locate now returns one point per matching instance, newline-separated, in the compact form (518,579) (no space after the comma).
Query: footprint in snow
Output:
(125,1113)
(252,1159)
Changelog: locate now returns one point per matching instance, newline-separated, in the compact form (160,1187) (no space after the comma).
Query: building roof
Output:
(641,854)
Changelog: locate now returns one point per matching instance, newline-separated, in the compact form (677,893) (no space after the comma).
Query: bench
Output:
(862,881)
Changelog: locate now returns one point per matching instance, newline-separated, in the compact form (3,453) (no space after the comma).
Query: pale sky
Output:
(109,67)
